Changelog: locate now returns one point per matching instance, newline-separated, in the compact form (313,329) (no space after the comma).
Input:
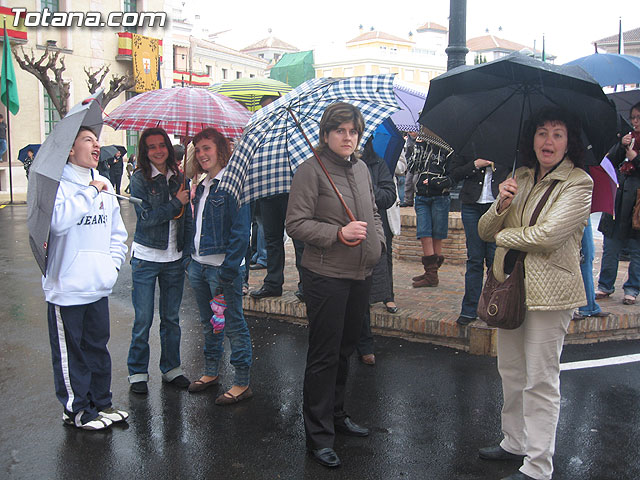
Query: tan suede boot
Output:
(430,278)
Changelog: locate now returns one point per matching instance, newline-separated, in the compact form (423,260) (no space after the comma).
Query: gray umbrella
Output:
(46,171)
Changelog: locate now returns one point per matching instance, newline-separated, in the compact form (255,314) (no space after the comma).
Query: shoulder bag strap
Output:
(543,200)
(536,213)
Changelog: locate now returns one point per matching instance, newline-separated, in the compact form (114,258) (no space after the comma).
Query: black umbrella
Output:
(480,110)
(624,101)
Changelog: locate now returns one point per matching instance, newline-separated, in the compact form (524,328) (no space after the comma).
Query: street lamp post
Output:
(457,49)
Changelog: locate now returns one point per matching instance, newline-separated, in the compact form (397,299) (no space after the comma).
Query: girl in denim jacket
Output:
(220,241)
(160,245)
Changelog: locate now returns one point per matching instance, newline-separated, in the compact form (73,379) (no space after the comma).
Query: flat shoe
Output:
(368,359)
(629,300)
(391,309)
(600,295)
(497,453)
(326,457)
(199,385)
(228,399)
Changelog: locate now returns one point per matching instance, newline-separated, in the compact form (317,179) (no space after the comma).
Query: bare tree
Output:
(117,84)
(48,69)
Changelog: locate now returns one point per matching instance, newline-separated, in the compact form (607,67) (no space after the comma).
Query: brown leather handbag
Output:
(502,304)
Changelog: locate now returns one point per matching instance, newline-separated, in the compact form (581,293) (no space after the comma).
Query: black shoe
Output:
(326,457)
(497,453)
(257,266)
(518,476)
(464,320)
(264,293)
(349,428)
(299,295)
(139,387)
(405,204)
(180,381)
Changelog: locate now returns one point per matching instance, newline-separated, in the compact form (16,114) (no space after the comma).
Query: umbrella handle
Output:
(352,218)
(184,185)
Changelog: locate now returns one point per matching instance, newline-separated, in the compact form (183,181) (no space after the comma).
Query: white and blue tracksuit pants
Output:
(81,361)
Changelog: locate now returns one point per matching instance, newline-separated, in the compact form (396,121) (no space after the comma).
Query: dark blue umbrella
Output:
(388,143)
(610,68)
(22,154)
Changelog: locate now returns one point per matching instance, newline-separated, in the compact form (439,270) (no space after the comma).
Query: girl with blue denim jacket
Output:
(160,245)
(220,241)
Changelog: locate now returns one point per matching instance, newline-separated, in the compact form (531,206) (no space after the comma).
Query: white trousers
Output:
(529,365)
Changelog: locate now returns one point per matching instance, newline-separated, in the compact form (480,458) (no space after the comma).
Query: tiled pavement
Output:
(429,314)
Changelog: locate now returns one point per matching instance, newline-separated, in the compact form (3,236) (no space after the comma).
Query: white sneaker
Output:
(114,414)
(99,423)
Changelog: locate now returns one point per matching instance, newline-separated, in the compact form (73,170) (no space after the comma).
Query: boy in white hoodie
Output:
(86,249)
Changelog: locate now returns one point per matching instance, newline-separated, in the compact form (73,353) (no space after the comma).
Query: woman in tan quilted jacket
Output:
(529,356)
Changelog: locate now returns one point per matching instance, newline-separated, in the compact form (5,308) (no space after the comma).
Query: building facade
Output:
(82,48)
(416,59)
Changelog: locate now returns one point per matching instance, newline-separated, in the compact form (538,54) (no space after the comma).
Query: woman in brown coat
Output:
(336,278)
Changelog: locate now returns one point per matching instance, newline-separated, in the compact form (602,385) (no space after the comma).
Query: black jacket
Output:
(473,178)
(429,161)
(384,191)
(620,226)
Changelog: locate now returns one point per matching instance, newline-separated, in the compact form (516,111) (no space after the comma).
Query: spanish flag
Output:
(19,32)
(145,53)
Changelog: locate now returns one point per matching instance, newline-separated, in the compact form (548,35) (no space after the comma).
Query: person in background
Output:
(220,240)
(384,192)
(481,179)
(336,277)
(617,230)
(86,249)
(116,167)
(179,150)
(161,247)
(587,253)
(273,210)
(430,163)
(28,161)
(410,177)
(400,173)
(529,356)
(103,168)
(131,166)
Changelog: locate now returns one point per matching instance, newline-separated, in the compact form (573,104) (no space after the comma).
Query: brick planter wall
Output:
(407,247)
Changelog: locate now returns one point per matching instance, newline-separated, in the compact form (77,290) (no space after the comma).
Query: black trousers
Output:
(335,309)
(116,180)
(274,211)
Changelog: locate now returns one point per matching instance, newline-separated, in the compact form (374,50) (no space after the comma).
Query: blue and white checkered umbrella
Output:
(272,146)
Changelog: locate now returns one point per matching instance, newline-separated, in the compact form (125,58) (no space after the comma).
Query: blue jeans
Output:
(261,247)
(170,278)
(401,179)
(204,281)
(3,146)
(609,267)
(586,267)
(479,254)
(432,216)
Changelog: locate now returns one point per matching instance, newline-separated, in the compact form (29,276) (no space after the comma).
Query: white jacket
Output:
(86,243)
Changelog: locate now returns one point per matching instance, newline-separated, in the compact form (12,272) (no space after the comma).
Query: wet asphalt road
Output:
(429,408)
